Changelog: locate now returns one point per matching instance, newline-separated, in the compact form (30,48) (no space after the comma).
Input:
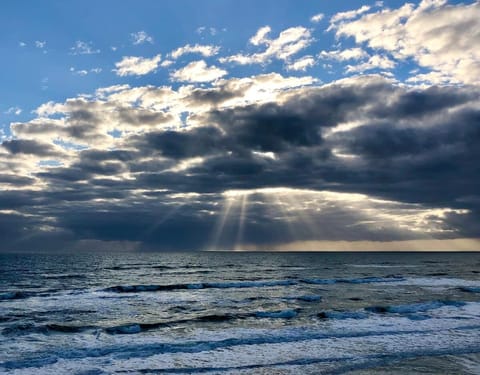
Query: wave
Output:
(341,315)
(137,349)
(414,307)
(14,295)
(469,289)
(468,285)
(308,298)
(363,280)
(248,284)
(410,310)
(139,267)
(208,285)
(125,329)
(21,329)
(376,265)
(284,314)
(442,282)
(134,328)
(64,276)
(30,328)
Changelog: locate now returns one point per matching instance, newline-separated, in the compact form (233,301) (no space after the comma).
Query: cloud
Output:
(18,146)
(40,44)
(285,46)
(13,111)
(141,37)
(198,71)
(302,64)
(342,55)
(84,72)
(206,30)
(166,63)
(317,17)
(342,16)
(436,35)
(132,65)
(261,36)
(358,159)
(374,62)
(83,48)
(81,72)
(205,50)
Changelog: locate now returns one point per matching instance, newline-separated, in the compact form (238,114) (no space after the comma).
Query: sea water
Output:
(240,313)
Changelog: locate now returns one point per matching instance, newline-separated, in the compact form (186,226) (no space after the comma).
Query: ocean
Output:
(240,313)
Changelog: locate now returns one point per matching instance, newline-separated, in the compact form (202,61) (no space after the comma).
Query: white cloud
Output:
(437,35)
(198,71)
(141,37)
(302,63)
(83,48)
(342,16)
(40,44)
(203,30)
(166,63)
(342,55)
(261,36)
(81,72)
(289,42)
(44,82)
(22,44)
(205,50)
(13,111)
(374,62)
(84,72)
(317,17)
(432,78)
(133,65)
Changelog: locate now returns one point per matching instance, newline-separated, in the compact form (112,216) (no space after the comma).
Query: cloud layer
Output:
(357,159)
(214,157)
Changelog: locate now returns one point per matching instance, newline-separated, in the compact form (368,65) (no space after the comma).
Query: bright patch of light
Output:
(346,126)
(186,164)
(339,154)
(267,155)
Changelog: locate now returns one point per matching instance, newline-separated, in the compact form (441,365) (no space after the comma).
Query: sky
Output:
(227,125)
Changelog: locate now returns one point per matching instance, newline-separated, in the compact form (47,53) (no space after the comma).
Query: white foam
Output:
(439,282)
(374,265)
(352,342)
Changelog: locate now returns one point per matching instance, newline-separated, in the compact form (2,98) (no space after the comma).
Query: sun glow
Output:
(311,215)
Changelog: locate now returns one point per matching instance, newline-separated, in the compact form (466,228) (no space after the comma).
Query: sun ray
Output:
(223,220)
(241,220)
(287,218)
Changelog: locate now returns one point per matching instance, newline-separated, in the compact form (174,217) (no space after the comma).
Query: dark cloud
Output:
(200,141)
(15,180)
(29,147)
(143,117)
(165,188)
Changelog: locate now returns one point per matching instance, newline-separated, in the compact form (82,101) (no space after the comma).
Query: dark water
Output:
(240,313)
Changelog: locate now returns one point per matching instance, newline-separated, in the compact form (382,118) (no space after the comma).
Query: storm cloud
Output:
(358,159)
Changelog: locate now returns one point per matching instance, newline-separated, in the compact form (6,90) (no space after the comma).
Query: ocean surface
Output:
(240,313)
